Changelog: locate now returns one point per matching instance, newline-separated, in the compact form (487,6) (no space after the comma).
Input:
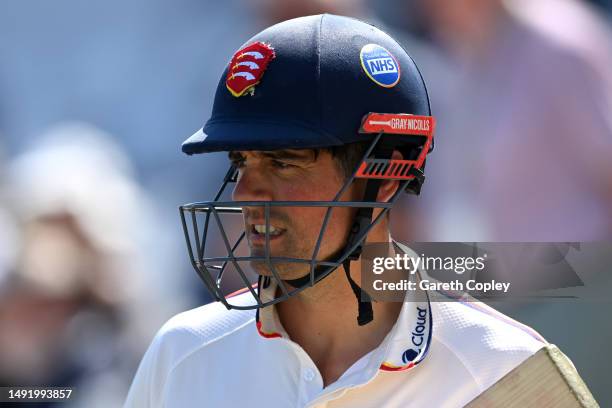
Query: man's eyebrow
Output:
(306,155)
(302,155)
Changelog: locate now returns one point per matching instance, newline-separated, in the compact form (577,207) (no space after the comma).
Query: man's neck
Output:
(323,320)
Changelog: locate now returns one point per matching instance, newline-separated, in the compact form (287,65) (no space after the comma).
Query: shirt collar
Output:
(405,346)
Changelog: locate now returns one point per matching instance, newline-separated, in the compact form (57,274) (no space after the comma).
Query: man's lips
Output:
(257,233)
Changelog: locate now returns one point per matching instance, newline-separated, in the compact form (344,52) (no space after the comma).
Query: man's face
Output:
(291,175)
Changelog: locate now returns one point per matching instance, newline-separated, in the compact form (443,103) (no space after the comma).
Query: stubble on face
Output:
(301,226)
(298,240)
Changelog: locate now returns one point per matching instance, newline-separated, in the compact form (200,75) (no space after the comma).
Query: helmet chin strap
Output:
(363,218)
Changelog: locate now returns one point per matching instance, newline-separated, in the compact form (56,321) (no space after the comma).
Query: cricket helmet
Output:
(309,83)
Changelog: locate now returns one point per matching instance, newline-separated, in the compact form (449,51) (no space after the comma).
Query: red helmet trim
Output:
(396,124)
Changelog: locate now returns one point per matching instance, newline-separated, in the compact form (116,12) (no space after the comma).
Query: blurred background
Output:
(96,97)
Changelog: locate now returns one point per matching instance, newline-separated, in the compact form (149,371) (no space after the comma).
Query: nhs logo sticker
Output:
(379,65)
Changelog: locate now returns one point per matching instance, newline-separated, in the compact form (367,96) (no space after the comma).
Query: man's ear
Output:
(389,187)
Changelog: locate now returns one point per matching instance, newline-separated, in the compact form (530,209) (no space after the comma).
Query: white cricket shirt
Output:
(214,357)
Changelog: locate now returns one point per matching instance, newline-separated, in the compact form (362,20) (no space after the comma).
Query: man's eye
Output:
(280,164)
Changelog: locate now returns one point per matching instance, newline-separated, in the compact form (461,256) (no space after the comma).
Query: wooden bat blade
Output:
(546,379)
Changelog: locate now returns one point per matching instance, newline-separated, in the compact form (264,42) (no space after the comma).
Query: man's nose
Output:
(252,186)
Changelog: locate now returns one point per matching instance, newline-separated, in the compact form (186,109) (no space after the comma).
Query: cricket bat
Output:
(546,379)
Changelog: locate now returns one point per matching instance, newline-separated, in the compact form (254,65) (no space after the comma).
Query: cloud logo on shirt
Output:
(418,336)
(409,355)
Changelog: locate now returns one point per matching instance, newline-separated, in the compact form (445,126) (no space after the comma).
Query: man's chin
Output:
(284,270)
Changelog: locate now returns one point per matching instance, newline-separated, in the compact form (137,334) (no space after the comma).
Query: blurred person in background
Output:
(75,309)
(526,121)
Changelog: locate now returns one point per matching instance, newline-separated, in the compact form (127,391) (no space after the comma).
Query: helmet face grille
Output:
(204,223)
